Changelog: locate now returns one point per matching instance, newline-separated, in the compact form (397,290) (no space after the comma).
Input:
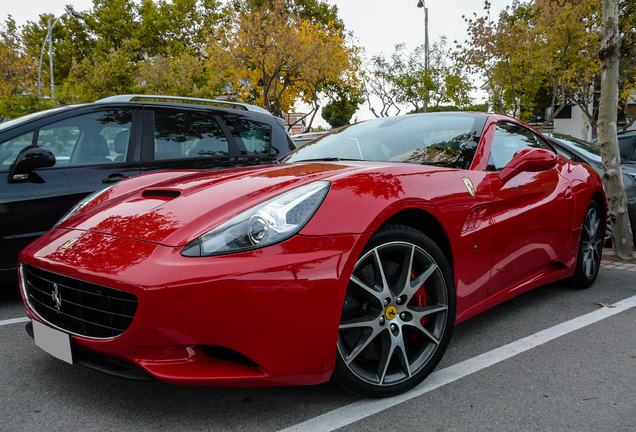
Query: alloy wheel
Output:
(395,314)
(591,243)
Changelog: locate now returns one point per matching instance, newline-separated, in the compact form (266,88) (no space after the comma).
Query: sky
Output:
(377,25)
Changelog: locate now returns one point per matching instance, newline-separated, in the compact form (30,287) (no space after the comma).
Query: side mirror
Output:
(528,160)
(28,160)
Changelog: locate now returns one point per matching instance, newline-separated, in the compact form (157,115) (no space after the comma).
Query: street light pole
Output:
(50,33)
(49,39)
(422,4)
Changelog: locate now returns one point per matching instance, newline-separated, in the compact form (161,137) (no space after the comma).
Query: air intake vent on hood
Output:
(160,193)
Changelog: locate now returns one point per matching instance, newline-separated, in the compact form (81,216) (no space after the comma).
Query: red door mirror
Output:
(528,160)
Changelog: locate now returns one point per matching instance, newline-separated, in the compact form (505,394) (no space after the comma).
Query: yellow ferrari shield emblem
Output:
(68,243)
(469,186)
(390,313)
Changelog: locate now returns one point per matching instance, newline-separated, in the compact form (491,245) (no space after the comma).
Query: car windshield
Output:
(588,150)
(443,139)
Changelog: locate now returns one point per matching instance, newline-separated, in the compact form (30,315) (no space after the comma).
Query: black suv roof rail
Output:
(181,99)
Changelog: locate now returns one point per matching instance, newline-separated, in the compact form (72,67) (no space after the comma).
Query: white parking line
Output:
(367,407)
(14,321)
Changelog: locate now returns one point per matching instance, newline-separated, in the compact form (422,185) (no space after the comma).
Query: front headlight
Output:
(632,176)
(83,203)
(270,222)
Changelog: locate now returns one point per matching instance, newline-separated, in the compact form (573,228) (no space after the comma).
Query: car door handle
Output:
(114,178)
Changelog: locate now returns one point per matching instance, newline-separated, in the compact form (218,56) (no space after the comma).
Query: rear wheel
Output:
(590,252)
(398,314)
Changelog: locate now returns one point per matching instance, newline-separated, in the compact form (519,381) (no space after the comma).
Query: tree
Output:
(18,73)
(404,80)
(271,57)
(627,79)
(184,74)
(381,85)
(343,104)
(127,46)
(16,68)
(565,42)
(622,237)
(493,50)
(176,27)
(536,55)
(100,76)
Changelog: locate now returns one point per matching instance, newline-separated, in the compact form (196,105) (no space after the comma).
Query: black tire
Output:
(588,261)
(398,314)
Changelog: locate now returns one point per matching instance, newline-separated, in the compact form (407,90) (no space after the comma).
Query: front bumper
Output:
(264,317)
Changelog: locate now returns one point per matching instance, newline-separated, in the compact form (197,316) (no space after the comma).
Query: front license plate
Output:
(53,341)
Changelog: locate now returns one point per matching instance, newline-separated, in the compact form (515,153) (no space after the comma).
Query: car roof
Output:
(33,116)
(182,99)
(142,99)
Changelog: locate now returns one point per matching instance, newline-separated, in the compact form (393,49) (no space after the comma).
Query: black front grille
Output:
(77,306)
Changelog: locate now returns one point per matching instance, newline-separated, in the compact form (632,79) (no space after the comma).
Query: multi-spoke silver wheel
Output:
(591,243)
(397,315)
(590,248)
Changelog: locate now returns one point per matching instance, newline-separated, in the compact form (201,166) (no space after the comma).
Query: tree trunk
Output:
(622,240)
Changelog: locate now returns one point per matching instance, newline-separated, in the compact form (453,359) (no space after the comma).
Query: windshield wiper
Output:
(326,159)
(439,164)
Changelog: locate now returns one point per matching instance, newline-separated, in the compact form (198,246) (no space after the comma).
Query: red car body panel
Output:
(255,292)
(283,302)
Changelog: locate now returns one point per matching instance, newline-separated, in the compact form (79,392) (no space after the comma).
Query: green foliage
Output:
(482,107)
(16,68)
(184,47)
(14,106)
(272,56)
(344,103)
(403,79)
(542,54)
(314,11)
(124,46)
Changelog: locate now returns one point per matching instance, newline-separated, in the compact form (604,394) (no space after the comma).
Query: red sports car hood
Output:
(174,208)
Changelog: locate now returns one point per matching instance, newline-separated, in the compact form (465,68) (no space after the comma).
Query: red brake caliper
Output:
(418,300)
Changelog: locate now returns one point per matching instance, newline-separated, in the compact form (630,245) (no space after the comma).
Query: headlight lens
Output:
(83,203)
(270,222)
(632,176)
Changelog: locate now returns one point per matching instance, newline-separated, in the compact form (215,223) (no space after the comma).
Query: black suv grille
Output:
(79,307)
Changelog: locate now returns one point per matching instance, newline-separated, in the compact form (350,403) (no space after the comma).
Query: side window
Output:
(9,149)
(253,138)
(509,139)
(625,145)
(90,139)
(183,134)
(566,153)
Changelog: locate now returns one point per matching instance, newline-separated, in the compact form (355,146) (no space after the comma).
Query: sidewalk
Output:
(609,261)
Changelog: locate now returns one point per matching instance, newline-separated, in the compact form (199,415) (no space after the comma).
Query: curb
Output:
(609,261)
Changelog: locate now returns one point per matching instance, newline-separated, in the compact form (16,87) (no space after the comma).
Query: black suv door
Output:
(92,148)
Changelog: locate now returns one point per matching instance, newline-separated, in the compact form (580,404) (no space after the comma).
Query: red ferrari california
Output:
(350,260)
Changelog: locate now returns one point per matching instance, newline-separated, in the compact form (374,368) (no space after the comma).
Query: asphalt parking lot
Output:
(554,359)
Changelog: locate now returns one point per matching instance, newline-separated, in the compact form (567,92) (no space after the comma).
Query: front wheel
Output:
(398,314)
(590,251)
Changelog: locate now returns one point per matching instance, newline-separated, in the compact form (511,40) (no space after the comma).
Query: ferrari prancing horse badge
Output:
(469,186)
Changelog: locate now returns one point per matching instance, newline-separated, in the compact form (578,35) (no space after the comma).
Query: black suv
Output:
(626,144)
(52,159)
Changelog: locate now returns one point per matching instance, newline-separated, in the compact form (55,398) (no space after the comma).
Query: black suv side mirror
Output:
(28,159)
